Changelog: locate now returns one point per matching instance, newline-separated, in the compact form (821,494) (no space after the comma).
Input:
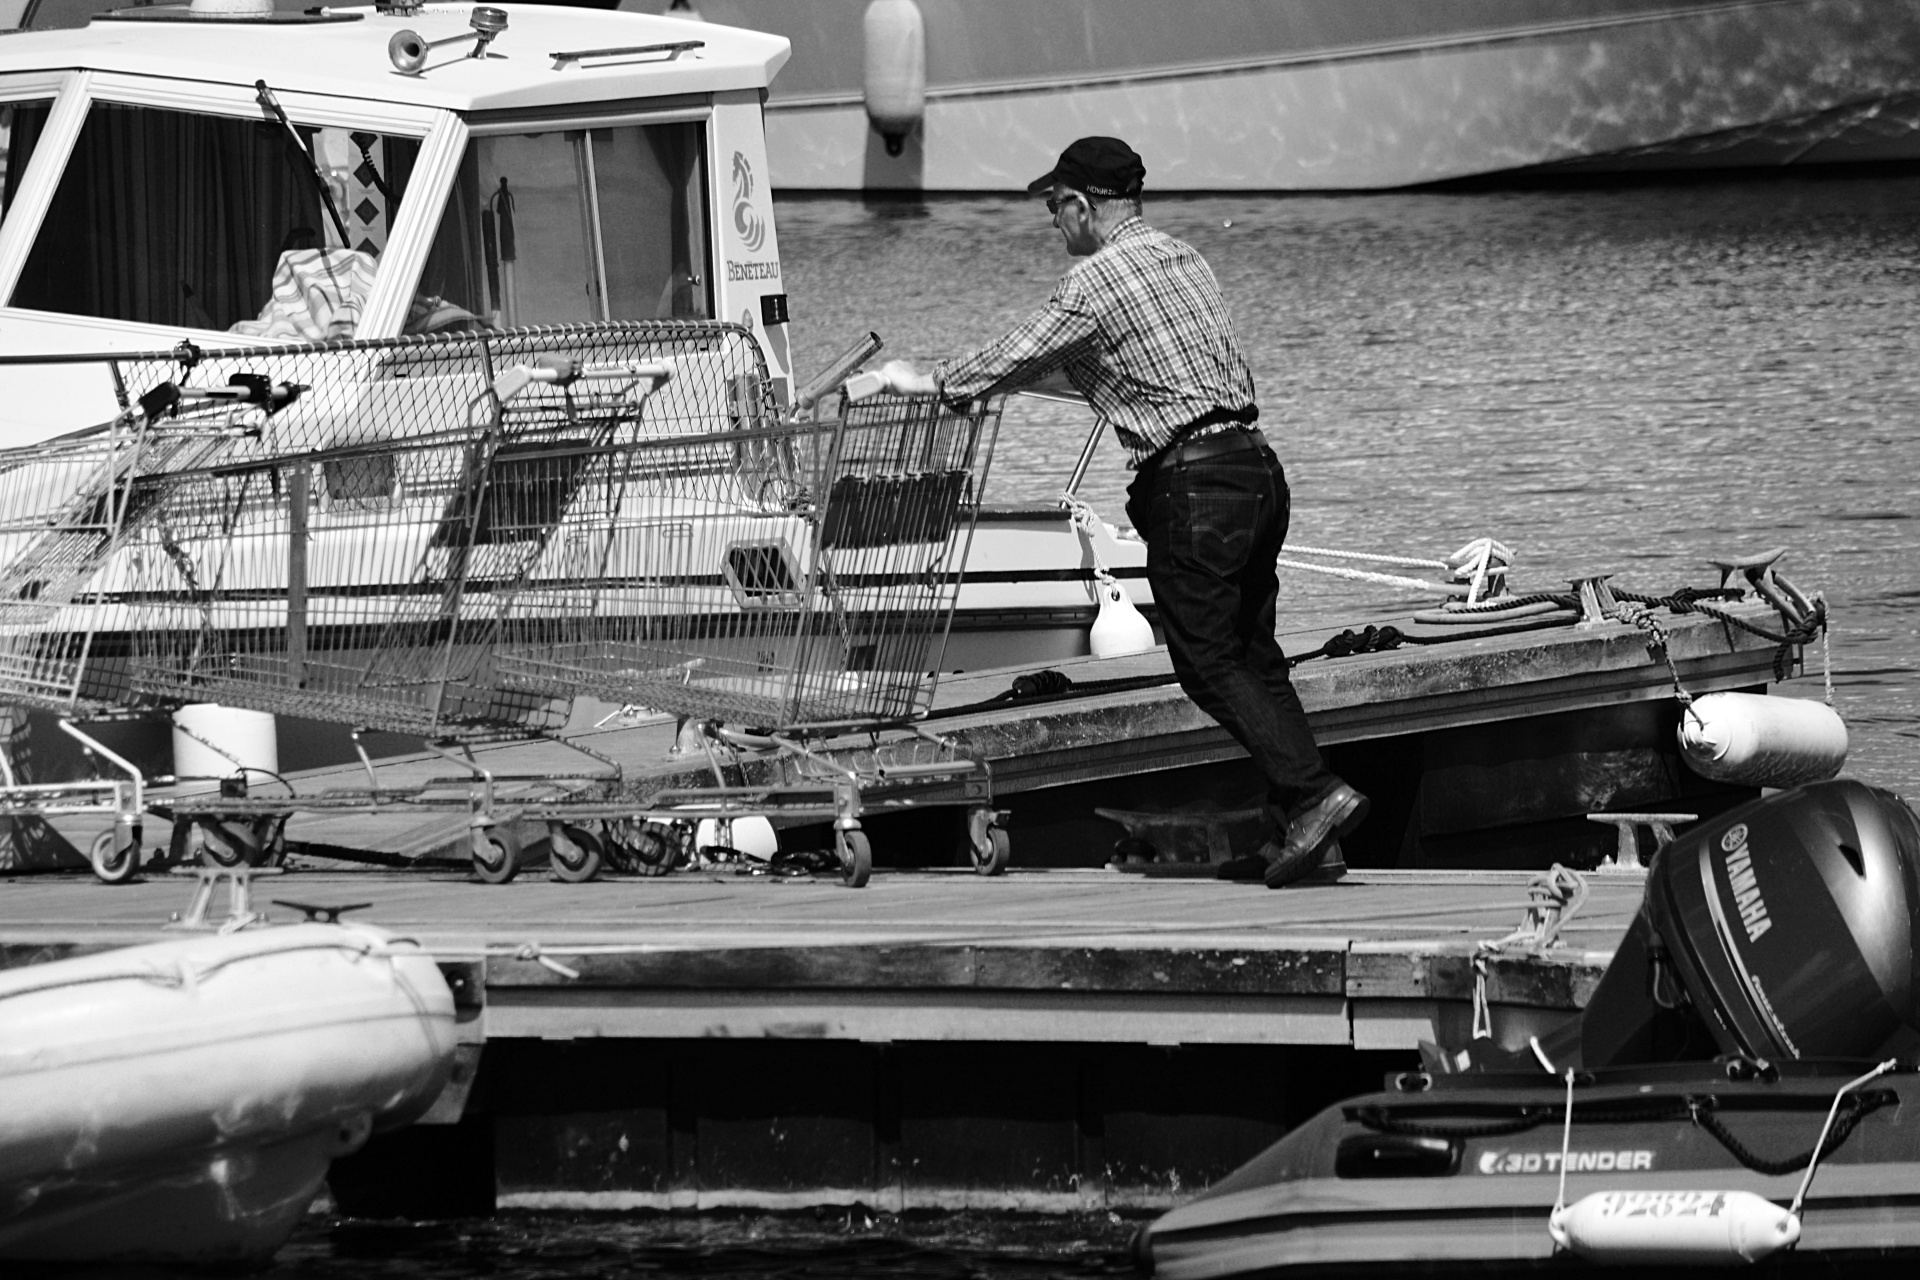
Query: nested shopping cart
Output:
(786,589)
(65,507)
(349,563)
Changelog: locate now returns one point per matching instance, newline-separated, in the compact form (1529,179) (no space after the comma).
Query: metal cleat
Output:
(1597,604)
(240,912)
(317,913)
(1757,572)
(1626,853)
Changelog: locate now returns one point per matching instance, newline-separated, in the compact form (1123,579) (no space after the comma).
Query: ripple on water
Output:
(1631,378)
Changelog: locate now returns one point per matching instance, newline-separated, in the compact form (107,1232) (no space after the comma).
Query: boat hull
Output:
(180,1102)
(1328,95)
(1311,1202)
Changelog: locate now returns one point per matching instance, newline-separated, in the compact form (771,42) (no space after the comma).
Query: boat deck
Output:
(1126,736)
(1380,960)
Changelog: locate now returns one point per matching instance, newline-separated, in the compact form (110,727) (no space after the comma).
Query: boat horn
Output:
(409,50)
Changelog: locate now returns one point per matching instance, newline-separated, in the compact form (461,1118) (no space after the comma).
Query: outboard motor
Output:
(1792,921)
(1785,928)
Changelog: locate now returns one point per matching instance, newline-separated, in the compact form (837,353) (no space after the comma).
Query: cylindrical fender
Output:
(1759,741)
(1646,1228)
(896,69)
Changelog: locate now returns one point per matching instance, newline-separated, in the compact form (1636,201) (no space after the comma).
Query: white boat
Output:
(181,1102)
(1289,95)
(227,175)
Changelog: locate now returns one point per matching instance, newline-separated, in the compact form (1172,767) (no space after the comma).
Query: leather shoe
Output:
(1313,830)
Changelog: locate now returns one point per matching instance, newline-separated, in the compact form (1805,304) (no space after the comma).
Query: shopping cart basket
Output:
(65,506)
(348,565)
(780,587)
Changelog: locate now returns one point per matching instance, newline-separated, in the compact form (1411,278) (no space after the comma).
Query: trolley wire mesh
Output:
(347,561)
(777,575)
(64,505)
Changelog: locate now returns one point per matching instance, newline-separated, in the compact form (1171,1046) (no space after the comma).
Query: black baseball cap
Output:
(1097,166)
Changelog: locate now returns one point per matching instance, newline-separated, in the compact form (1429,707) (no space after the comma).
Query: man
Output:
(1138,326)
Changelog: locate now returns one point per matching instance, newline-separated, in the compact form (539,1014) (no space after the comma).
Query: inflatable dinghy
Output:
(181,1102)
(1741,1086)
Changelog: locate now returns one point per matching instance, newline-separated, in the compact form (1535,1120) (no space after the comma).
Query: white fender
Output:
(896,69)
(1761,741)
(1640,1228)
(1119,628)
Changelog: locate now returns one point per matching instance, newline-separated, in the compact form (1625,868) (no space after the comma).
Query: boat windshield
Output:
(203,221)
(577,225)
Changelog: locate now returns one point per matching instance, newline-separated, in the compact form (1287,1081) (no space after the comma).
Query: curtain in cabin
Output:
(169,218)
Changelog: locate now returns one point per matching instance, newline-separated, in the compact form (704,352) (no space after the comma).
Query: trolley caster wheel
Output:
(227,844)
(986,842)
(576,853)
(856,858)
(496,854)
(992,853)
(115,855)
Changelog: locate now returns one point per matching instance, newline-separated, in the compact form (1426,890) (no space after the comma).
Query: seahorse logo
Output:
(746,219)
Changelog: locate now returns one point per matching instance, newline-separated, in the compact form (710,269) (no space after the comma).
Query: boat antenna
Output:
(271,105)
(1566,1146)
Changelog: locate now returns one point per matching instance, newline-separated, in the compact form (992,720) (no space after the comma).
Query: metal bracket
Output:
(240,912)
(467,980)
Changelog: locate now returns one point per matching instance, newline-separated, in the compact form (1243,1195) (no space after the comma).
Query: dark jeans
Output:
(1213,530)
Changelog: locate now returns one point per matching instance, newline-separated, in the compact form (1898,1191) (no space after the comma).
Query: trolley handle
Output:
(242,388)
(863,349)
(564,371)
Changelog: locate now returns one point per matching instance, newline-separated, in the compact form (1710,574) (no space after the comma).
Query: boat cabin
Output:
(195,173)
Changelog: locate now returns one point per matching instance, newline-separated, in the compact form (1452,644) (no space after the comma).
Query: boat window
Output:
(577,225)
(217,222)
(20,126)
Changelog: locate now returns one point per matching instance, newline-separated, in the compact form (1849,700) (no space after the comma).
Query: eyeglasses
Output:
(1055,205)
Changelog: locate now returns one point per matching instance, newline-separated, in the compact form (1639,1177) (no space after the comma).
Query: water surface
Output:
(1631,379)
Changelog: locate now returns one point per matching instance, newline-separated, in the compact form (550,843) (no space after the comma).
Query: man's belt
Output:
(1215,442)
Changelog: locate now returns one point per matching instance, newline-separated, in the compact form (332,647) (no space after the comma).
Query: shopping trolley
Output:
(786,589)
(65,506)
(348,563)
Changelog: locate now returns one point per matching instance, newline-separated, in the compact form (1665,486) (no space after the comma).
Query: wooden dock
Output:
(1380,960)
(1047,1040)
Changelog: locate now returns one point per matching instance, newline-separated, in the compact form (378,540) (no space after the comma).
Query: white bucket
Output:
(247,736)
(752,836)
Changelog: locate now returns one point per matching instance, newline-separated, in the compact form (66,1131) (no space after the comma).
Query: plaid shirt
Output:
(1139,328)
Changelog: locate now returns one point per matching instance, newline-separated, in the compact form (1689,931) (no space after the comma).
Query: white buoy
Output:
(246,736)
(1759,741)
(1647,1228)
(896,69)
(1119,628)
